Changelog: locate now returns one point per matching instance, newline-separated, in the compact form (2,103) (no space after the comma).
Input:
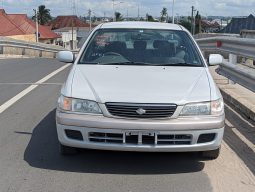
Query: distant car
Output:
(140,86)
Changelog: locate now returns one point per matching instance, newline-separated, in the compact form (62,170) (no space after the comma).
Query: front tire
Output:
(211,155)
(67,151)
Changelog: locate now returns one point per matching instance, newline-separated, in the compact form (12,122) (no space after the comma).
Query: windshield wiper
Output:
(180,64)
(126,63)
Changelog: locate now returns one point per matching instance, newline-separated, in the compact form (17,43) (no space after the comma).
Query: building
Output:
(68,35)
(67,21)
(72,29)
(19,26)
(210,26)
(238,24)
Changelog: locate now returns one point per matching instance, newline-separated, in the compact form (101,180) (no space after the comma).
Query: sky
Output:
(130,7)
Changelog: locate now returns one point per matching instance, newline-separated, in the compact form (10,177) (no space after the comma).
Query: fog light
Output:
(72,134)
(205,138)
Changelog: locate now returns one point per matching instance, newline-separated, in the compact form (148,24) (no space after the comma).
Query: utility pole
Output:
(36,25)
(173,13)
(113,16)
(138,14)
(192,21)
(72,44)
(199,23)
(89,19)
(73,7)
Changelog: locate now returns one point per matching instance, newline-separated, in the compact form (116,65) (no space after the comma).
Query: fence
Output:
(14,47)
(234,47)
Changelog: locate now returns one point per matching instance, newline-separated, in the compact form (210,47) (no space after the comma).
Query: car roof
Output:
(140,25)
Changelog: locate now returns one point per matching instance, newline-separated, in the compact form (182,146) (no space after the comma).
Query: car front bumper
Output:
(99,132)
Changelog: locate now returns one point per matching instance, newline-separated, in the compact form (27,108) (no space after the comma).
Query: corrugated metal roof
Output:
(67,21)
(8,27)
(238,24)
(20,24)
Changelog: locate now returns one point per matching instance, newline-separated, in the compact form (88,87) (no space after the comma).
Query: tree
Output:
(44,15)
(186,24)
(150,18)
(198,19)
(118,16)
(163,14)
(94,19)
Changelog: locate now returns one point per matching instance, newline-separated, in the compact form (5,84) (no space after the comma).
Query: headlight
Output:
(79,105)
(217,107)
(206,108)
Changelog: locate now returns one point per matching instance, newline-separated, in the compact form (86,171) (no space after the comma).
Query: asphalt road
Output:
(30,161)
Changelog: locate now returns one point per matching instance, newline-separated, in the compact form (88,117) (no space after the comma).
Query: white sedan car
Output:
(140,86)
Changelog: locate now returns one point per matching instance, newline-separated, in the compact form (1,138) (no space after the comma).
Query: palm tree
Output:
(118,16)
(44,15)
(163,14)
(150,18)
(198,19)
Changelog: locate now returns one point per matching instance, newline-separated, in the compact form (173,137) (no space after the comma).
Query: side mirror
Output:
(65,56)
(215,59)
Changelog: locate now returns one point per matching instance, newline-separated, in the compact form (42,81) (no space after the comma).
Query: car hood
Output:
(141,84)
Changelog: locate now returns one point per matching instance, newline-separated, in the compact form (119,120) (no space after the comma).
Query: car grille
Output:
(140,138)
(141,110)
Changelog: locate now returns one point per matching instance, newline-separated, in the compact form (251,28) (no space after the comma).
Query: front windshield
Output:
(141,47)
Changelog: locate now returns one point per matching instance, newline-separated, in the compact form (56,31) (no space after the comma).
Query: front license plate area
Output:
(132,137)
(140,137)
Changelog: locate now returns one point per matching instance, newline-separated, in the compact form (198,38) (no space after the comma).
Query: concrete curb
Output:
(240,104)
(240,98)
(4,56)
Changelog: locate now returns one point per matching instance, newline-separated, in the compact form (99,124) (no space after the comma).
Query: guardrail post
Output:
(23,51)
(232,59)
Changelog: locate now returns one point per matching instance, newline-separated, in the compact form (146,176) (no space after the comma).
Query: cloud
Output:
(130,7)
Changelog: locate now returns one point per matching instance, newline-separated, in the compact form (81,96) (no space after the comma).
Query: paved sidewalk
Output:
(241,98)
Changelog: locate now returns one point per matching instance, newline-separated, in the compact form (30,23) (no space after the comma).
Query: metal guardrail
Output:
(238,75)
(11,43)
(234,47)
(238,46)
(207,35)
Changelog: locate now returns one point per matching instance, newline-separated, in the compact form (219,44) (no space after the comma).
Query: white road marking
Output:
(228,123)
(243,138)
(31,83)
(13,100)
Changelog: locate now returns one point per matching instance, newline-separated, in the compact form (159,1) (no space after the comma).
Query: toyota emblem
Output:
(140,111)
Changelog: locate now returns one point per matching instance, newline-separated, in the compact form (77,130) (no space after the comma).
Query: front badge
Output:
(140,111)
